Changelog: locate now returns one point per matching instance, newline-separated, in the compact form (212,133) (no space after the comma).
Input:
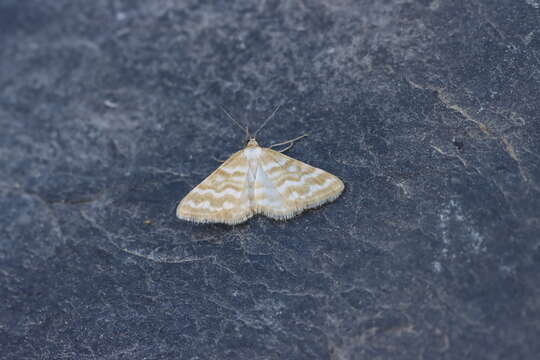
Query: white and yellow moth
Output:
(258,180)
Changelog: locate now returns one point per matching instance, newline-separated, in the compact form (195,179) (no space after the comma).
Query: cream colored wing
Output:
(284,187)
(223,197)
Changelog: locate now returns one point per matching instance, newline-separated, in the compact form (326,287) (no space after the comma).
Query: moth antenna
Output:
(266,121)
(246,128)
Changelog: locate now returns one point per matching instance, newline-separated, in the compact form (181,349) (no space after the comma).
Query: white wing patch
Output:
(258,180)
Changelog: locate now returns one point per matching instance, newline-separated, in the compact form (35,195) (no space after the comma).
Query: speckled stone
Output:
(110,112)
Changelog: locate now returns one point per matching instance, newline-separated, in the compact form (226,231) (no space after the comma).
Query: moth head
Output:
(251,142)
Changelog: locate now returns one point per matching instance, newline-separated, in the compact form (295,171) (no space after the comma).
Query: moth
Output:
(257,180)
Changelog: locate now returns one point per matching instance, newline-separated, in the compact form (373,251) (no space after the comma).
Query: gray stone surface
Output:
(428,110)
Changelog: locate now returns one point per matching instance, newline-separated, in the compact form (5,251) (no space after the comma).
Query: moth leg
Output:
(290,142)
(287,148)
(218,160)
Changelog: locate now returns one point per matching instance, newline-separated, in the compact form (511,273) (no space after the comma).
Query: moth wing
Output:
(284,186)
(223,197)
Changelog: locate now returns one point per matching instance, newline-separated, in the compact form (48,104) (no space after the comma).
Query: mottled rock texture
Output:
(428,110)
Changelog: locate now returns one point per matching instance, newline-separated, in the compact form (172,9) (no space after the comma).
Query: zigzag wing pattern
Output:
(284,187)
(223,197)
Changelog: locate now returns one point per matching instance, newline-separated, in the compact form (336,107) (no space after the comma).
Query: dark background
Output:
(428,110)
